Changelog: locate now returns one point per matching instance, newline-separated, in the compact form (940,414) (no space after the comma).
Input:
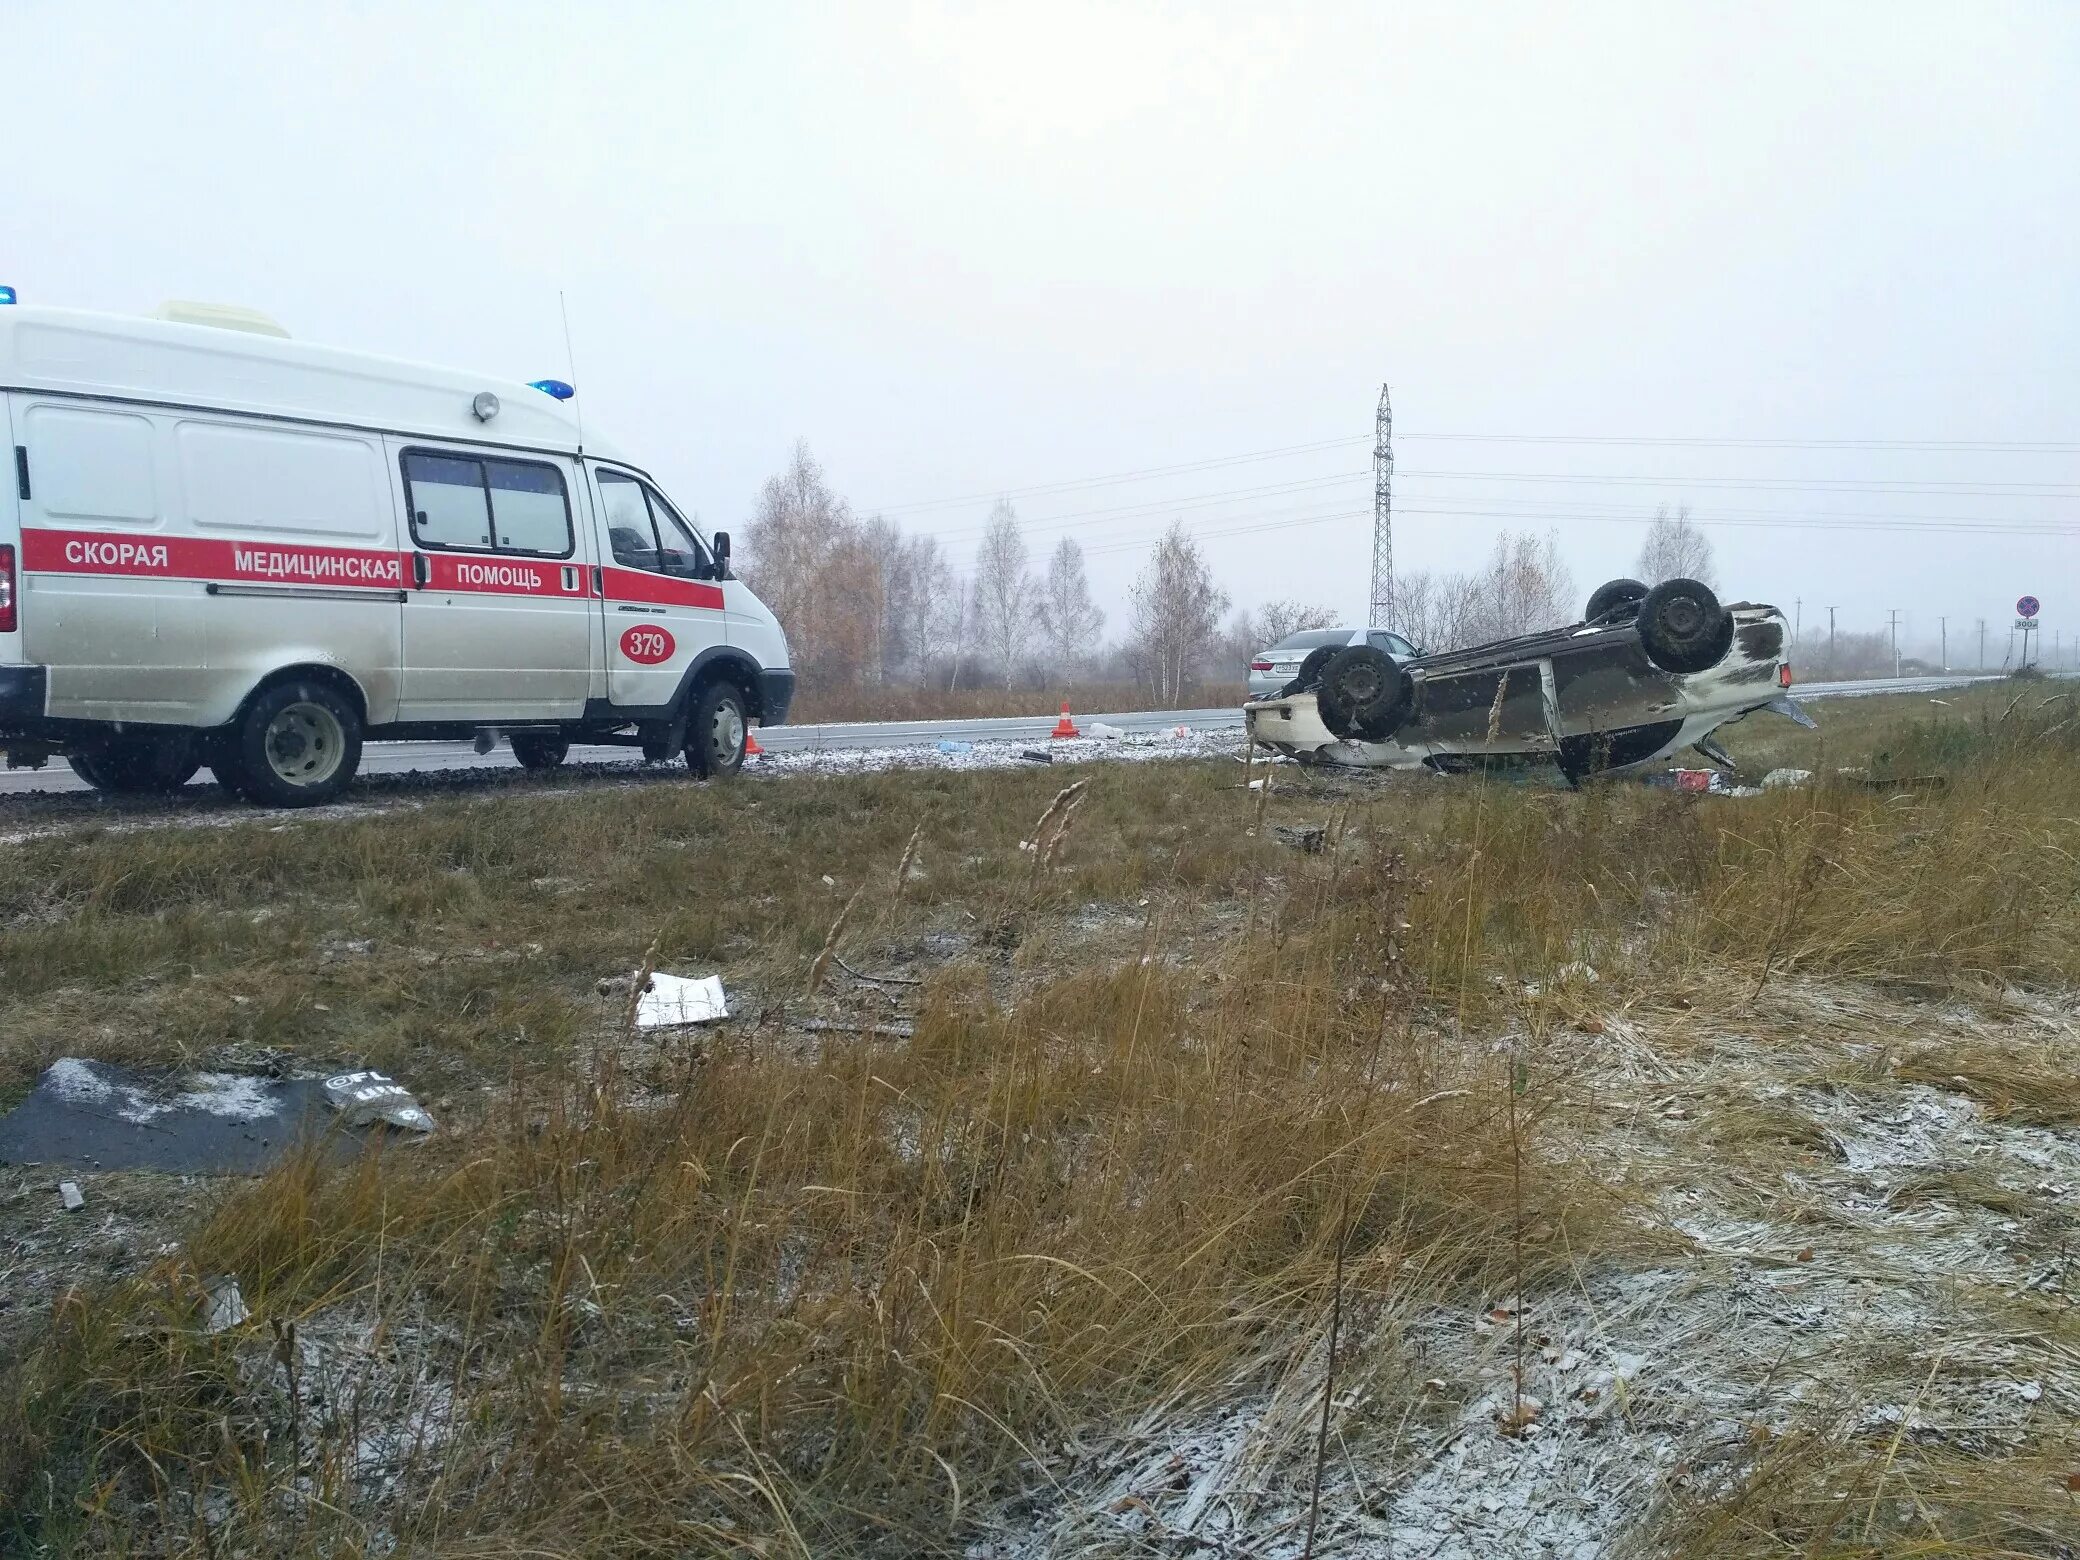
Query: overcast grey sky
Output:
(970,250)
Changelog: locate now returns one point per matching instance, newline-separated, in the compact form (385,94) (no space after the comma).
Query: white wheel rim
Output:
(305,745)
(727,735)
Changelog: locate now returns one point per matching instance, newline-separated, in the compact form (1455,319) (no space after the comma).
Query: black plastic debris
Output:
(1034,755)
(87,1115)
(365,1098)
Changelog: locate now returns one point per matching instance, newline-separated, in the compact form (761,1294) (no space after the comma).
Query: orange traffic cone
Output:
(751,747)
(1065,727)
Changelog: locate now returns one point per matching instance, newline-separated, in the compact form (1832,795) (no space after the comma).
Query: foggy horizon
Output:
(978,253)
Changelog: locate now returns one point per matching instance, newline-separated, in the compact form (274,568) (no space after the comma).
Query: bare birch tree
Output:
(1676,548)
(803,555)
(910,583)
(1004,592)
(1525,586)
(1177,613)
(1265,627)
(1069,620)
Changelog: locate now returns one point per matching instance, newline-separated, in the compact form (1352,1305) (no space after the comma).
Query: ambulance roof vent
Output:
(224,316)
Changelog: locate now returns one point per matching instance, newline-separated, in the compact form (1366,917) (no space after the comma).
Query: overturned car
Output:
(1647,672)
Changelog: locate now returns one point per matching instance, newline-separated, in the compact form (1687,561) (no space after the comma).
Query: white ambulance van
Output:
(219,546)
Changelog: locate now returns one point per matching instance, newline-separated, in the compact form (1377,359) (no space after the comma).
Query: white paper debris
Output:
(70,1195)
(1103,732)
(673,1000)
(364,1098)
(1777,779)
(226,1307)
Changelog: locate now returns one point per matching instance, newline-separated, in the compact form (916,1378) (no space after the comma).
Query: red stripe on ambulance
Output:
(206,558)
(504,576)
(662,589)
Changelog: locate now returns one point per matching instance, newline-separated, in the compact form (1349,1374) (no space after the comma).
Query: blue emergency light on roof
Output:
(6,295)
(555,387)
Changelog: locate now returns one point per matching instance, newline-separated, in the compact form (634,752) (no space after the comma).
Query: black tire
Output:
(1364,694)
(1310,671)
(540,749)
(1683,628)
(296,744)
(134,765)
(1613,595)
(717,733)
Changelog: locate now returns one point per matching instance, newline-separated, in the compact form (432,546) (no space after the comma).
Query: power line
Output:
(1770,485)
(1528,508)
(1798,484)
(1472,509)
(1939,446)
(1252,526)
(1643,441)
(1143,474)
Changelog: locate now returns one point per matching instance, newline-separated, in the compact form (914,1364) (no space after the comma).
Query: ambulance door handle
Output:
(421,573)
(21,471)
(599,581)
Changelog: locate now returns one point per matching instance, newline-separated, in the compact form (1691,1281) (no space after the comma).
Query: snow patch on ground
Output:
(997,755)
(233,1096)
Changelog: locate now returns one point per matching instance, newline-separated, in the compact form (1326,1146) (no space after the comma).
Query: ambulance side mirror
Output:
(722,555)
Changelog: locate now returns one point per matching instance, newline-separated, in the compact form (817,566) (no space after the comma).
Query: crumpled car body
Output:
(1587,698)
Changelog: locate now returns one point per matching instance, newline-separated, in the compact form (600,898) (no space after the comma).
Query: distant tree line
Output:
(865,604)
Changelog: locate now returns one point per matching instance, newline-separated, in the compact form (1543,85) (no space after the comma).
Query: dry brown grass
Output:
(786,1290)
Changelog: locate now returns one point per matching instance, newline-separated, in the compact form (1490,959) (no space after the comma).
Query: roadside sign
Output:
(2028,607)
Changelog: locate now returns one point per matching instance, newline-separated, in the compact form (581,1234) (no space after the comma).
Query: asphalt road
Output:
(396,758)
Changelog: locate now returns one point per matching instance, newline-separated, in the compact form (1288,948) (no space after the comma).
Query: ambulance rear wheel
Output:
(297,745)
(138,765)
(716,735)
(540,750)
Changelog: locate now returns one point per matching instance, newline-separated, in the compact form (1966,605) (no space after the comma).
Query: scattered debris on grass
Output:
(674,1001)
(364,1099)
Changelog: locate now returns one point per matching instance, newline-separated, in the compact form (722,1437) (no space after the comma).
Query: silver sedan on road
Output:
(1270,670)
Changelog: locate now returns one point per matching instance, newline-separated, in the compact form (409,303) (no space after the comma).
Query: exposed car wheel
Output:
(138,765)
(716,735)
(1683,628)
(540,749)
(1364,694)
(297,744)
(1609,597)
(1310,671)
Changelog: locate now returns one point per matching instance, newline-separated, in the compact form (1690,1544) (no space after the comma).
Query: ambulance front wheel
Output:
(716,735)
(297,744)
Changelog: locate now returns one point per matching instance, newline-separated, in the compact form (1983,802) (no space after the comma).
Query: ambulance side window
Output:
(469,503)
(528,508)
(449,505)
(629,532)
(679,551)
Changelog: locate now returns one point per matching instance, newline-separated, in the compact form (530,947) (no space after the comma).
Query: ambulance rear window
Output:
(468,503)
(528,511)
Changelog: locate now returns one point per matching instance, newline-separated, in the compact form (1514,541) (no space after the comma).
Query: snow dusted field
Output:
(1821,1243)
